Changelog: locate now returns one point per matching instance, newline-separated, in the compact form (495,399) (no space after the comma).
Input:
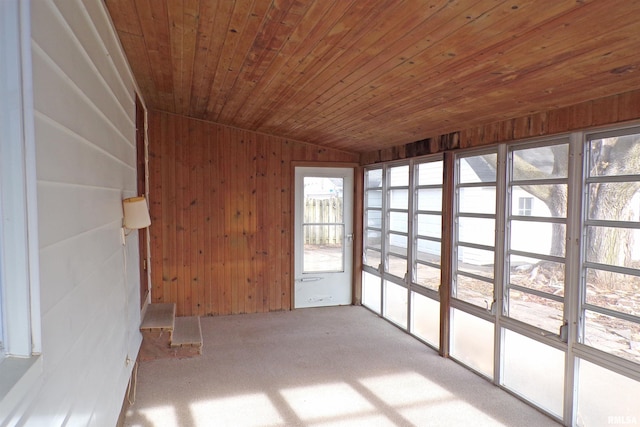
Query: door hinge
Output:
(144,264)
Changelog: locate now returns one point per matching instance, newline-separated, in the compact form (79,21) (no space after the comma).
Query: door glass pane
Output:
(323,250)
(323,231)
(534,370)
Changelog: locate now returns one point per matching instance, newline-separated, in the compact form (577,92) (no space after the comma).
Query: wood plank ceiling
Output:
(361,75)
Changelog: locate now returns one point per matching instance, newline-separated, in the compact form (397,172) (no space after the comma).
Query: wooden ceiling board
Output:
(433,64)
(362,75)
(472,83)
(290,61)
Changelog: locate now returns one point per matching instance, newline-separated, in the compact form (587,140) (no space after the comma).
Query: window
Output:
(544,263)
(402,244)
(428,224)
(373,218)
(475,226)
(397,220)
(534,291)
(610,309)
(18,248)
(19,329)
(524,206)
(427,250)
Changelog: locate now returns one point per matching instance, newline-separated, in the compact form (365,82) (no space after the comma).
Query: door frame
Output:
(142,184)
(356,280)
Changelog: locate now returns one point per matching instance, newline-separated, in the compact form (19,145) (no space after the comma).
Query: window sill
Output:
(17,377)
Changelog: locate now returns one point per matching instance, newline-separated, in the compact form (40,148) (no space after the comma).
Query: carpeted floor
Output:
(339,366)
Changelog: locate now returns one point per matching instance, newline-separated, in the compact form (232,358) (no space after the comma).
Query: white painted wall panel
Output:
(79,161)
(74,57)
(85,141)
(57,94)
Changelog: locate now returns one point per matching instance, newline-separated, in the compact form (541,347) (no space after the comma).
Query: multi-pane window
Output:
(428,224)
(535,258)
(397,216)
(544,266)
(524,206)
(475,219)
(610,309)
(373,218)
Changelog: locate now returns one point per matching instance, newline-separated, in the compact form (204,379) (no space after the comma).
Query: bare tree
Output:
(611,156)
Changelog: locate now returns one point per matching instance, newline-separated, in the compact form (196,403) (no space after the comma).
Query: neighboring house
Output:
(68,150)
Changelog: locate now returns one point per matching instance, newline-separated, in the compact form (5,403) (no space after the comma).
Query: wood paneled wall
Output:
(610,110)
(221,211)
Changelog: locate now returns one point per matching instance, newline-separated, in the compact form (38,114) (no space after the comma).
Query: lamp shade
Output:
(136,213)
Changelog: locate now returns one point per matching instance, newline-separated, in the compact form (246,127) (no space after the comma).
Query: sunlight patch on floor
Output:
(247,410)
(413,397)
(318,402)
(390,389)
(159,416)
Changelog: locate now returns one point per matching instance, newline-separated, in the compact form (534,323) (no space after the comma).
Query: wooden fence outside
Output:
(323,211)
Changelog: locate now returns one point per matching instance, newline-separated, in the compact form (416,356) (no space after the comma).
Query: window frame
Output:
(512,323)
(19,266)
(581,350)
(486,313)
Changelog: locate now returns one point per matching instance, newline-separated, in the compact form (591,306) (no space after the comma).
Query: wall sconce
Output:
(136,214)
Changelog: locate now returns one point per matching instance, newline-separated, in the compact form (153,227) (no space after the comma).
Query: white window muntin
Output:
(457,243)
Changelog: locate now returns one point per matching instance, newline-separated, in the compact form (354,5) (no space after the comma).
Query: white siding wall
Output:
(85,153)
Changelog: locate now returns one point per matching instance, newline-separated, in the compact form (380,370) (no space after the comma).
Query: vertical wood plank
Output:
(155,210)
(286,221)
(225,199)
(180,220)
(170,262)
(262,294)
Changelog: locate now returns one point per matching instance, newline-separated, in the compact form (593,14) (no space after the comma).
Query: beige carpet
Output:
(340,366)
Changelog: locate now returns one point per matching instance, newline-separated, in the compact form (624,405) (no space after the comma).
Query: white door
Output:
(323,236)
